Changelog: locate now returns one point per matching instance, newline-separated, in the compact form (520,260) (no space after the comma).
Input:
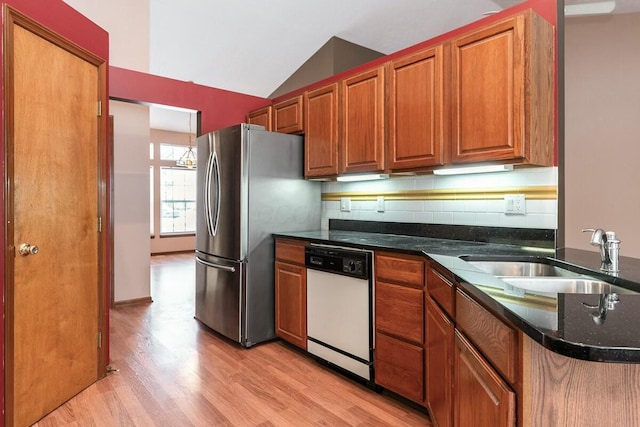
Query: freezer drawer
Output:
(219,295)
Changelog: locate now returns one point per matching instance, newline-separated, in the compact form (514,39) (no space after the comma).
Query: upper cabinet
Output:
(321,131)
(262,117)
(287,116)
(416,111)
(362,139)
(502,86)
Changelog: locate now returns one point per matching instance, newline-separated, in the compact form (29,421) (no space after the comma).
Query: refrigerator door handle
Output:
(212,174)
(214,265)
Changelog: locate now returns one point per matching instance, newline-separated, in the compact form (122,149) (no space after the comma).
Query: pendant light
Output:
(188,159)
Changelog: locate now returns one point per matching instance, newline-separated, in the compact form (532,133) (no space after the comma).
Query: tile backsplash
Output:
(464,210)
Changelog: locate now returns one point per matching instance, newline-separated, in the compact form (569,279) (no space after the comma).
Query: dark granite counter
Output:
(568,324)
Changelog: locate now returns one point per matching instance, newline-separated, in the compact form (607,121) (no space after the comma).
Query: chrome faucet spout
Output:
(609,248)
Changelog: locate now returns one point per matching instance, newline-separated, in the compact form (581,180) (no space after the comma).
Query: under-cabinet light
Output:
(364,177)
(473,169)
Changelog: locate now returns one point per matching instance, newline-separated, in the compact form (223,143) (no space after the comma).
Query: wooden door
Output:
(481,396)
(321,132)
(54,296)
(438,348)
(261,117)
(287,116)
(363,129)
(291,303)
(416,111)
(488,70)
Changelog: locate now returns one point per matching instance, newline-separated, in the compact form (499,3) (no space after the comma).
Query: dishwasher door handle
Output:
(214,265)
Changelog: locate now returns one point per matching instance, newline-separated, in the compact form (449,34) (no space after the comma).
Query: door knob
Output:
(26,249)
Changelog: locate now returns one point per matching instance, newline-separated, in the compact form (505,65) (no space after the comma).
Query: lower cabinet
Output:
(481,397)
(291,293)
(438,364)
(399,367)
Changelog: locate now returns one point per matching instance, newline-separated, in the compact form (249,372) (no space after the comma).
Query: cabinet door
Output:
(287,116)
(438,350)
(488,70)
(362,111)
(399,367)
(416,107)
(261,117)
(481,397)
(291,303)
(321,132)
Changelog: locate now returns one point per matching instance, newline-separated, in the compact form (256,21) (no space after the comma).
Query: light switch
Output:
(345,204)
(380,204)
(514,204)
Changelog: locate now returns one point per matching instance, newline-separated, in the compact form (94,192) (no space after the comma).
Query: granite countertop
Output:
(568,324)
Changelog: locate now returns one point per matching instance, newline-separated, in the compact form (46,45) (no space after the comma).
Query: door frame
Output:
(12,18)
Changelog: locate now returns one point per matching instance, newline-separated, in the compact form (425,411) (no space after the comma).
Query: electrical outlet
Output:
(345,204)
(380,204)
(514,204)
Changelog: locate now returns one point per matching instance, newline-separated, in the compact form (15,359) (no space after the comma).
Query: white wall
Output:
(131,201)
(539,213)
(127,23)
(602,136)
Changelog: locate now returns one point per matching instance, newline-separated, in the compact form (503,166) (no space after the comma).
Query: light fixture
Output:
(188,159)
(473,169)
(363,177)
(598,8)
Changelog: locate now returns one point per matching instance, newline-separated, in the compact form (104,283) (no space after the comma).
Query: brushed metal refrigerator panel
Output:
(221,156)
(279,200)
(219,295)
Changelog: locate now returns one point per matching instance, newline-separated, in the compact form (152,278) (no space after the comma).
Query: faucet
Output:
(609,248)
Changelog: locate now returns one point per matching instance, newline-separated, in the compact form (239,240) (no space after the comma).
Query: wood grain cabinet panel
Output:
(261,117)
(496,340)
(288,116)
(291,292)
(442,290)
(321,132)
(416,111)
(399,367)
(481,397)
(362,142)
(502,92)
(399,311)
(438,345)
(395,268)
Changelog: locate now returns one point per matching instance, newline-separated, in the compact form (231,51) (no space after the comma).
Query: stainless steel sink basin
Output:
(521,269)
(579,285)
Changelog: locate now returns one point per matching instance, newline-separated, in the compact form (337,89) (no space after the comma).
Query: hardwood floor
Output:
(173,372)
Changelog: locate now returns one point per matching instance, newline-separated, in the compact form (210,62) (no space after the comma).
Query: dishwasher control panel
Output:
(344,261)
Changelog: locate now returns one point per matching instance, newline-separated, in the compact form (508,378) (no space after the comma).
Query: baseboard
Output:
(143,300)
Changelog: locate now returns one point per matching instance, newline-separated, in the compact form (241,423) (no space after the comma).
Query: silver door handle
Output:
(218,266)
(26,249)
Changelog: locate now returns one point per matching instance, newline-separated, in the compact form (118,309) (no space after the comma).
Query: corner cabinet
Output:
(291,292)
(362,142)
(321,132)
(416,111)
(399,323)
(502,92)
(261,117)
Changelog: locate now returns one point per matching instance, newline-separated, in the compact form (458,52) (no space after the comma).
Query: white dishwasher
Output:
(339,308)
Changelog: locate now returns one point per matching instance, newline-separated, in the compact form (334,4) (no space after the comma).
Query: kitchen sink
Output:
(565,285)
(545,279)
(522,269)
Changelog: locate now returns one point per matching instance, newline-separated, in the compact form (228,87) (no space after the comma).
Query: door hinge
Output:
(99,224)
(99,339)
(99,108)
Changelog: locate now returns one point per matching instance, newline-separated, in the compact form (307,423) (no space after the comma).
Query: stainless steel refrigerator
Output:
(250,185)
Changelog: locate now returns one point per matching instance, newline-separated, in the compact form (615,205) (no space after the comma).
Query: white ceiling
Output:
(253,46)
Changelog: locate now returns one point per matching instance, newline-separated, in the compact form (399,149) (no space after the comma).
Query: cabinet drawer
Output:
(399,367)
(290,250)
(441,290)
(493,338)
(406,269)
(400,312)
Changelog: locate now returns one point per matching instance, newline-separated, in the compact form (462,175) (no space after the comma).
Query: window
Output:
(173,192)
